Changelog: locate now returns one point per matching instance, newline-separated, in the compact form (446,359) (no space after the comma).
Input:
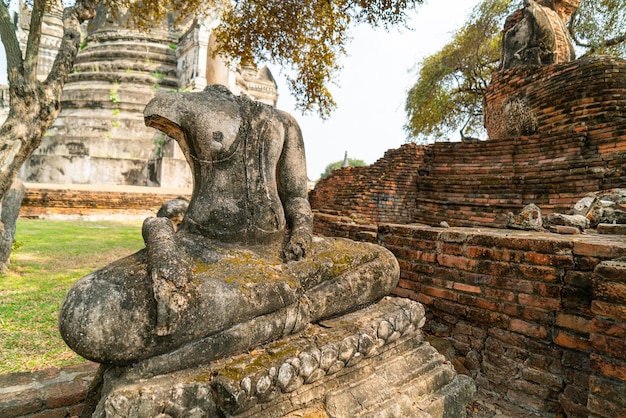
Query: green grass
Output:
(48,258)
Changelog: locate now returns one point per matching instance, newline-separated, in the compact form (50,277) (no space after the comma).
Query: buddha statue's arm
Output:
(170,273)
(292,188)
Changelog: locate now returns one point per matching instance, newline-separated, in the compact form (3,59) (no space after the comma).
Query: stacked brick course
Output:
(382,192)
(580,148)
(49,393)
(607,384)
(537,318)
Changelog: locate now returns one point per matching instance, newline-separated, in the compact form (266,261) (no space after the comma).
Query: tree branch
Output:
(34,40)
(15,63)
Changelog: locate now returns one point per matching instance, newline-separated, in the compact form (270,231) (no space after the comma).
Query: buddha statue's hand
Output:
(171,275)
(297,244)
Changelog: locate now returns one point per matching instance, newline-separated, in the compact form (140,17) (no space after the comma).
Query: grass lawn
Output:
(47,259)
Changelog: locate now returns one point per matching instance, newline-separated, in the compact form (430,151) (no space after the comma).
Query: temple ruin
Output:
(536,318)
(99,136)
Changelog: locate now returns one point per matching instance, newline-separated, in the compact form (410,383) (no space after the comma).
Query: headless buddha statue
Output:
(243,268)
(538,35)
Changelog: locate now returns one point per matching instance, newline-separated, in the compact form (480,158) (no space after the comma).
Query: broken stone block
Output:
(529,219)
(558,219)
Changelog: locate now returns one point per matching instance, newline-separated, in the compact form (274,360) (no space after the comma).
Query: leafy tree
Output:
(338,164)
(307,35)
(448,94)
(599,27)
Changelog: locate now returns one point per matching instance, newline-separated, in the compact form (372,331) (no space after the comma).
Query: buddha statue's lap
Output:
(230,285)
(243,258)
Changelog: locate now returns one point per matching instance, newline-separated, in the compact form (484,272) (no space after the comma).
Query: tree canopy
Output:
(307,37)
(448,94)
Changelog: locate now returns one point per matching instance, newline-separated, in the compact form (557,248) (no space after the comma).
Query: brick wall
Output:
(45,200)
(382,192)
(563,97)
(536,318)
(580,148)
(49,393)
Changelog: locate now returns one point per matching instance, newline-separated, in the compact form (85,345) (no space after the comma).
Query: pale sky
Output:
(371,87)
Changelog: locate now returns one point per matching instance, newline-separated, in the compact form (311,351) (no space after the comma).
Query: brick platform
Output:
(537,318)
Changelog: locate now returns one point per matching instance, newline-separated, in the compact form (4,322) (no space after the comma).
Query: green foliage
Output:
(338,164)
(599,27)
(451,83)
(113,96)
(47,259)
(307,37)
(449,92)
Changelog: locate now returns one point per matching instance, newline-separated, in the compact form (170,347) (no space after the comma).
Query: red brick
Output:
(609,389)
(539,301)
(480,302)
(553,260)
(406,293)
(611,292)
(452,249)
(506,295)
(479,253)
(597,249)
(528,329)
(65,393)
(452,261)
(532,272)
(609,367)
(52,413)
(567,340)
(601,407)
(467,288)
(617,312)
(21,403)
(615,347)
(513,310)
(409,284)
(538,315)
(612,270)
(607,327)
(573,322)
(440,293)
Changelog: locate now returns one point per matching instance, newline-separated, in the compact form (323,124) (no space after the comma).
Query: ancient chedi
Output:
(243,270)
(99,136)
(533,36)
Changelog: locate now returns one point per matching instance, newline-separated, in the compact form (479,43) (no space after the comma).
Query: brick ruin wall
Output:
(580,148)
(538,319)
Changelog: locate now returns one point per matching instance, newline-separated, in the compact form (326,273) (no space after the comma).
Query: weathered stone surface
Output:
(242,269)
(539,35)
(528,219)
(174,210)
(404,376)
(608,207)
(558,219)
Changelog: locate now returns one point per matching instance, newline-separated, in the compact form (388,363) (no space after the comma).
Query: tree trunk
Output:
(34,105)
(9,210)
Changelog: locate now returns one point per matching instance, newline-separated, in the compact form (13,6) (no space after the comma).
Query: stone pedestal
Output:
(372,362)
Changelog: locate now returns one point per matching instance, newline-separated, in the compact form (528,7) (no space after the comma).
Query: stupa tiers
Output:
(99,136)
